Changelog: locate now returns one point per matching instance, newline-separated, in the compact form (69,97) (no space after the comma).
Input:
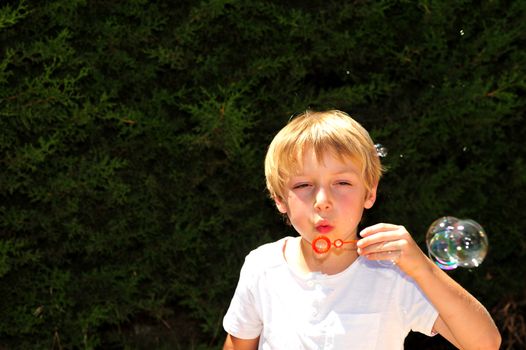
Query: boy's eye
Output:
(301,185)
(344,183)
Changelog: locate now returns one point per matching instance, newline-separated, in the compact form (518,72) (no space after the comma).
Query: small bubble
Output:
(381,150)
(347,72)
(462,32)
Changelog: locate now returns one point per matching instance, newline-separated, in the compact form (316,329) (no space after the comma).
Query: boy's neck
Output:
(303,259)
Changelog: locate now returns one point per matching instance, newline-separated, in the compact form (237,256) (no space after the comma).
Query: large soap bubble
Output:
(453,242)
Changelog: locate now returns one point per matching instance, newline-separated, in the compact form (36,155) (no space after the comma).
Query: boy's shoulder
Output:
(267,256)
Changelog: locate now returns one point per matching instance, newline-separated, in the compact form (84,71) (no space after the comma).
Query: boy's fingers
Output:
(373,239)
(382,227)
(381,247)
(377,234)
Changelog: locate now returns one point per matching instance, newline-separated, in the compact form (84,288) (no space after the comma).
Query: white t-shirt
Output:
(365,307)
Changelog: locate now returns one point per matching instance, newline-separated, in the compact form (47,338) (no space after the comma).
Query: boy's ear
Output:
(370,197)
(281,205)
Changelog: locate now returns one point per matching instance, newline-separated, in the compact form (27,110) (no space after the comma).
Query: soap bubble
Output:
(453,242)
(381,150)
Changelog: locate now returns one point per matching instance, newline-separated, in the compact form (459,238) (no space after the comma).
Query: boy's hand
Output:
(392,242)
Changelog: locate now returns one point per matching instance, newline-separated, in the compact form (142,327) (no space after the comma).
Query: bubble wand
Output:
(322,244)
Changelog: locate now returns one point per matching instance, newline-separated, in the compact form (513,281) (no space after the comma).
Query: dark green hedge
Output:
(132,135)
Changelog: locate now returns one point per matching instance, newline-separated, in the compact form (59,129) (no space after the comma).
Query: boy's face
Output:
(326,197)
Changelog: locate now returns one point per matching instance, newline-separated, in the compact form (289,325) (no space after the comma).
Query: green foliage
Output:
(132,136)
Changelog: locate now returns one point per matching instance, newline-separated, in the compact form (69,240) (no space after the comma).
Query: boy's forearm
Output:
(466,318)
(228,344)
(233,343)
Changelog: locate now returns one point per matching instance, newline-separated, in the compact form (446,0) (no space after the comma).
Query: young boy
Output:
(359,290)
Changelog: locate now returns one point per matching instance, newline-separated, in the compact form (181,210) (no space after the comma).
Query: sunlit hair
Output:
(332,132)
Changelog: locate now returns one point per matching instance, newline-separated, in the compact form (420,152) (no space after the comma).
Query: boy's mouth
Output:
(324,229)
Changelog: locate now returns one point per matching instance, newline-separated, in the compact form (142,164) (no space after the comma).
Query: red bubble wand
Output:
(322,244)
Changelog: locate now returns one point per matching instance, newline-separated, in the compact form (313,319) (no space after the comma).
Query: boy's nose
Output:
(322,200)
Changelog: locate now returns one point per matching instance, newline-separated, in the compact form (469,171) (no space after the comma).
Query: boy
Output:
(322,171)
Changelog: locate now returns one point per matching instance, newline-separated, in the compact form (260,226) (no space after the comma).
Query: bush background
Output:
(132,135)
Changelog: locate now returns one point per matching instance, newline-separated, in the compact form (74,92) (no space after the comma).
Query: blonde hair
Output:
(330,131)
